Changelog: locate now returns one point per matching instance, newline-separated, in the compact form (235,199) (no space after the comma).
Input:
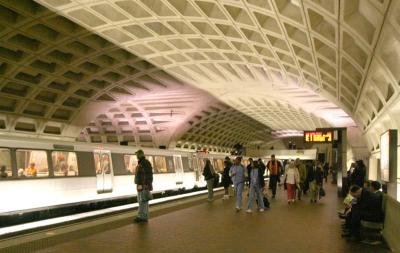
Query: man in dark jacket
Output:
(368,208)
(358,175)
(144,185)
(315,178)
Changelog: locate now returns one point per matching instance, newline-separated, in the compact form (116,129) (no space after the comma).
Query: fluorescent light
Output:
(295,2)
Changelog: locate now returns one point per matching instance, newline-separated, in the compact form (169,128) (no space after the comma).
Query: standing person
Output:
(238,174)
(144,185)
(303,177)
(315,179)
(358,175)
(292,178)
(226,179)
(209,176)
(257,184)
(274,167)
(249,168)
(326,171)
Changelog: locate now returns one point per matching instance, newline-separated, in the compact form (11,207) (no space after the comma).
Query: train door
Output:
(178,169)
(104,170)
(195,161)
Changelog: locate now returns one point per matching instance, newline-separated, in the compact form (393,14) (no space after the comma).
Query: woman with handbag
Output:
(209,175)
(292,179)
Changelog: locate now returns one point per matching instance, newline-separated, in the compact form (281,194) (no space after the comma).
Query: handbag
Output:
(146,196)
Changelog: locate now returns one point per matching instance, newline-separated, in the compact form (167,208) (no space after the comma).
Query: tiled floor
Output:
(216,227)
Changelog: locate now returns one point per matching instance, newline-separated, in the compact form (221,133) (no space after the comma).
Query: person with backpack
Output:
(238,173)
(209,176)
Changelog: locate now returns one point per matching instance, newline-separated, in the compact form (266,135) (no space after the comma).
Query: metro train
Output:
(45,173)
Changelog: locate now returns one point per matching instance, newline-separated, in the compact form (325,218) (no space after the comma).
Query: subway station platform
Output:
(199,226)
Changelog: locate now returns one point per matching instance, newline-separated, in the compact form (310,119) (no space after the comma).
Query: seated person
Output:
(21,172)
(347,202)
(31,171)
(3,173)
(368,208)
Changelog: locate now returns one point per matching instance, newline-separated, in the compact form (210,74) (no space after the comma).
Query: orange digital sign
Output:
(318,136)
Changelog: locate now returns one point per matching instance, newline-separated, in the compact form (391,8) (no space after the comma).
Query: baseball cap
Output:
(139,152)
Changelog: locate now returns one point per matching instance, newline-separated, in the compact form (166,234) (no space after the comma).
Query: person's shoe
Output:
(210,200)
(237,209)
(273,196)
(249,211)
(346,234)
(138,220)
(261,210)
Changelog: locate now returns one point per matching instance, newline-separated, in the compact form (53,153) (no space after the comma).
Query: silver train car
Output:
(43,173)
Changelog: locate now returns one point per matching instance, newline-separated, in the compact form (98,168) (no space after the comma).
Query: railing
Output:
(391,229)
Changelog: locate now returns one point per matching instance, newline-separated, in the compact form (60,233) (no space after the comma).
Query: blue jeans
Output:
(143,212)
(255,189)
(238,193)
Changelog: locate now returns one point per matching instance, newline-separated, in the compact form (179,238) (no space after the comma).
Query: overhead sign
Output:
(318,136)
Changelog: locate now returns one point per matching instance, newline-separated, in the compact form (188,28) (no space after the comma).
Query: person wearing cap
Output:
(144,184)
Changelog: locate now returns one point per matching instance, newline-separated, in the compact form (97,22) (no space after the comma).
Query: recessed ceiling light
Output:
(295,2)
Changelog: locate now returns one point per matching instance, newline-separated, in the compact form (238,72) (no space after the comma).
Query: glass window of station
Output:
(32,163)
(5,163)
(64,164)
(131,163)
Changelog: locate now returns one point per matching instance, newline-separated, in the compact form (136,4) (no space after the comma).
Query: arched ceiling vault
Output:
(324,46)
(284,63)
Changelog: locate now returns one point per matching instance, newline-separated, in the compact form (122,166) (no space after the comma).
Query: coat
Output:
(144,174)
(226,179)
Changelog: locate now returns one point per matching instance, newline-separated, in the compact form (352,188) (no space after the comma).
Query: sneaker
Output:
(237,209)
(249,211)
(261,210)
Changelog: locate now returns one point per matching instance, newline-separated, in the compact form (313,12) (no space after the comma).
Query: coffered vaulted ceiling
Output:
(288,64)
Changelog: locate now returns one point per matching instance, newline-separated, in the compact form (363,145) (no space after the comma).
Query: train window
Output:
(219,165)
(170,164)
(64,163)
(5,158)
(102,163)
(32,163)
(131,163)
(160,164)
(150,158)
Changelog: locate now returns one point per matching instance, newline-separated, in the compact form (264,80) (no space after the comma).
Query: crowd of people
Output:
(298,179)
(364,201)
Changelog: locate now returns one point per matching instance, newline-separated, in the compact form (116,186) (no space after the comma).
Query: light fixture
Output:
(295,2)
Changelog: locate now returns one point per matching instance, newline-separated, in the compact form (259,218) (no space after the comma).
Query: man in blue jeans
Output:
(238,174)
(144,184)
